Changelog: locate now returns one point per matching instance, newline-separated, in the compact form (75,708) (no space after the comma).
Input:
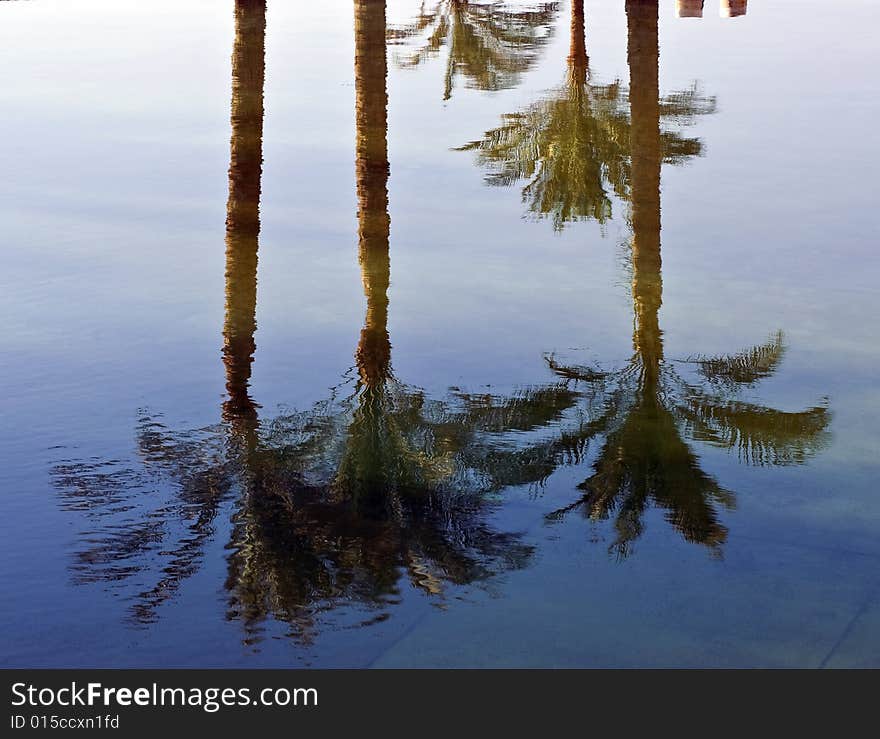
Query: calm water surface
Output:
(359,333)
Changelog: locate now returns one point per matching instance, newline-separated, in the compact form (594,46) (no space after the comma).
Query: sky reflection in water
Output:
(401,500)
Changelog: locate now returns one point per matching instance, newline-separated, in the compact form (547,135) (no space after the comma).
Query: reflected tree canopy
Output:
(489,43)
(573,148)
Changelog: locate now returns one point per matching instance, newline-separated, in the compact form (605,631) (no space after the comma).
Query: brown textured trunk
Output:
(370,68)
(243,207)
(733,8)
(644,96)
(578,62)
(689,8)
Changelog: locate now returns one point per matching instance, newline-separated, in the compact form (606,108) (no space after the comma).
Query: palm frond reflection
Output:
(488,43)
(574,147)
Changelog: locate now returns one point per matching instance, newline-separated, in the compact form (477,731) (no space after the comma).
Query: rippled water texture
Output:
(490,333)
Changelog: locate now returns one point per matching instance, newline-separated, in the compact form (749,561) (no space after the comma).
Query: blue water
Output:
(469,416)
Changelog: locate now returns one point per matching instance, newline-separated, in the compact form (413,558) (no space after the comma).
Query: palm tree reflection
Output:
(345,498)
(198,464)
(335,505)
(574,147)
(644,459)
(489,43)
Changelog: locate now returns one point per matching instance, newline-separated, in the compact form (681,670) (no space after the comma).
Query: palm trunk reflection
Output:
(243,211)
(374,223)
(578,61)
(644,99)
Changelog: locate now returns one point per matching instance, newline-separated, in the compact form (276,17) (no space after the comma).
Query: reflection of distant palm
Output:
(644,459)
(573,146)
(488,42)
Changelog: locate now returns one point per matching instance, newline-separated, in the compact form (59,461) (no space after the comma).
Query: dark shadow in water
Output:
(490,44)
(338,507)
